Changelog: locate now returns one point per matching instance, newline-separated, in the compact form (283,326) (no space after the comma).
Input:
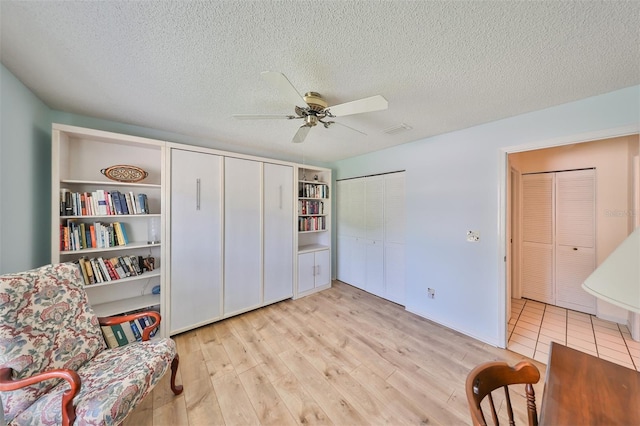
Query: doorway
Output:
(613,158)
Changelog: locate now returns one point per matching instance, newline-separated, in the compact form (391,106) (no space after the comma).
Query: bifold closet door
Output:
(538,195)
(242,234)
(394,232)
(575,238)
(196,239)
(278,232)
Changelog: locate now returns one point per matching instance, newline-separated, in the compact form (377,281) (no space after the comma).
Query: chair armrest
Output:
(68,410)
(146,332)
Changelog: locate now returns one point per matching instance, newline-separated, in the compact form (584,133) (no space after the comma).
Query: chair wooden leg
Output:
(177,389)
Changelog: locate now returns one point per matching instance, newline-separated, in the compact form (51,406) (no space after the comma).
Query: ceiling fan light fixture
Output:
(315,101)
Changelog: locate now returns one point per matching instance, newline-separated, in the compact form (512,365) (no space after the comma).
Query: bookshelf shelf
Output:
(143,276)
(125,305)
(86,228)
(130,246)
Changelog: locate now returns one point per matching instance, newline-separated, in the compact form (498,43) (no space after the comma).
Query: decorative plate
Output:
(124,173)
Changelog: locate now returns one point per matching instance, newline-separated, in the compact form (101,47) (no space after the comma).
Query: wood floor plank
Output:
(269,407)
(233,400)
(341,356)
(302,406)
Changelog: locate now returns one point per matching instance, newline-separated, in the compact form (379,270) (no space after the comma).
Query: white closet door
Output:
(356,210)
(196,239)
(345,245)
(374,208)
(374,279)
(575,238)
(242,235)
(538,237)
(278,232)
(342,208)
(394,236)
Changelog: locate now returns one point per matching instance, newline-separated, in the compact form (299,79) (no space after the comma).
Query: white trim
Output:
(502,195)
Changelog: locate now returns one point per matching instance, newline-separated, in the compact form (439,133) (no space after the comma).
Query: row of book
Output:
(313,190)
(102,203)
(99,270)
(79,235)
(127,332)
(310,207)
(314,223)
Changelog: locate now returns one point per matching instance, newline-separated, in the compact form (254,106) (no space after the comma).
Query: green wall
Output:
(25,170)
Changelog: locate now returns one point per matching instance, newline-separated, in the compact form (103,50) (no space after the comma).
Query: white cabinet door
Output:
(314,270)
(323,268)
(278,232)
(196,240)
(306,272)
(242,235)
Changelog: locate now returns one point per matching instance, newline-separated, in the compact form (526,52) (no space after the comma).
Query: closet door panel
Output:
(196,238)
(575,205)
(243,235)
(538,237)
(574,265)
(394,208)
(342,208)
(344,245)
(394,272)
(278,232)
(374,208)
(375,267)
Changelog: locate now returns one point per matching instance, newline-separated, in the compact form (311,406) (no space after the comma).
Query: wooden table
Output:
(581,389)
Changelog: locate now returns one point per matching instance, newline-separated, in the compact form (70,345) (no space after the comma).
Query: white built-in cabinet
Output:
(314,230)
(85,219)
(227,237)
(278,232)
(232,235)
(242,234)
(196,238)
(370,234)
(558,238)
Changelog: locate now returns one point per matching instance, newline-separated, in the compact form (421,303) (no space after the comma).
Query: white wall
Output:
(454,185)
(25,177)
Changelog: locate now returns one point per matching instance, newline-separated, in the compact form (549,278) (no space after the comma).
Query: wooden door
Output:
(278,232)
(242,235)
(196,239)
(538,237)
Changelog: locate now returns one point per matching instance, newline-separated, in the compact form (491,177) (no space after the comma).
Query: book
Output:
(136,263)
(83,269)
(109,336)
(132,199)
(144,206)
(136,331)
(123,230)
(120,335)
(124,266)
(126,327)
(103,268)
(113,274)
(116,202)
(89,270)
(127,202)
(116,265)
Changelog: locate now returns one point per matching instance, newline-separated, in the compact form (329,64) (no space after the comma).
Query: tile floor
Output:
(534,325)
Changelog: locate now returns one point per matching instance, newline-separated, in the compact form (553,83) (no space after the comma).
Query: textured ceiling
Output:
(187,67)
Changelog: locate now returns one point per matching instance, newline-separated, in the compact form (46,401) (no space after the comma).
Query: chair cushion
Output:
(46,323)
(112,385)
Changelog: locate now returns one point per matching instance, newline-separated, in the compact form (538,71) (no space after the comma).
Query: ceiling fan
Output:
(312,108)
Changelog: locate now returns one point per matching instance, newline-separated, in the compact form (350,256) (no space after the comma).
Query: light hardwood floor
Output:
(341,356)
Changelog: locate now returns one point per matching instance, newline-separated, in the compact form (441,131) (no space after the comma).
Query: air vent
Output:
(402,127)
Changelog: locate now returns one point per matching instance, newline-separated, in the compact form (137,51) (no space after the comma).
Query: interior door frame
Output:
(503,207)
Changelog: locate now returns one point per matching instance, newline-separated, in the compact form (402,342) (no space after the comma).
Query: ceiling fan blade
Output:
(262,116)
(373,103)
(282,83)
(348,127)
(301,134)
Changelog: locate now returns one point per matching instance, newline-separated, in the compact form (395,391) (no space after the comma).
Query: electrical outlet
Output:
(473,236)
(431,292)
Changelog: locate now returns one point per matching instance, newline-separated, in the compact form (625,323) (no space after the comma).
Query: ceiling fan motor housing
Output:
(315,101)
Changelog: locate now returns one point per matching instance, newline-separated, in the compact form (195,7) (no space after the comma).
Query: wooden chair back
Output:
(490,376)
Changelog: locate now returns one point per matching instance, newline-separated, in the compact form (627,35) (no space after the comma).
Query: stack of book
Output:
(313,223)
(99,270)
(102,203)
(78,235)
(127,332)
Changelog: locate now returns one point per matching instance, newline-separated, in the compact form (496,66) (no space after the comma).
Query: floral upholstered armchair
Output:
(55,367)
